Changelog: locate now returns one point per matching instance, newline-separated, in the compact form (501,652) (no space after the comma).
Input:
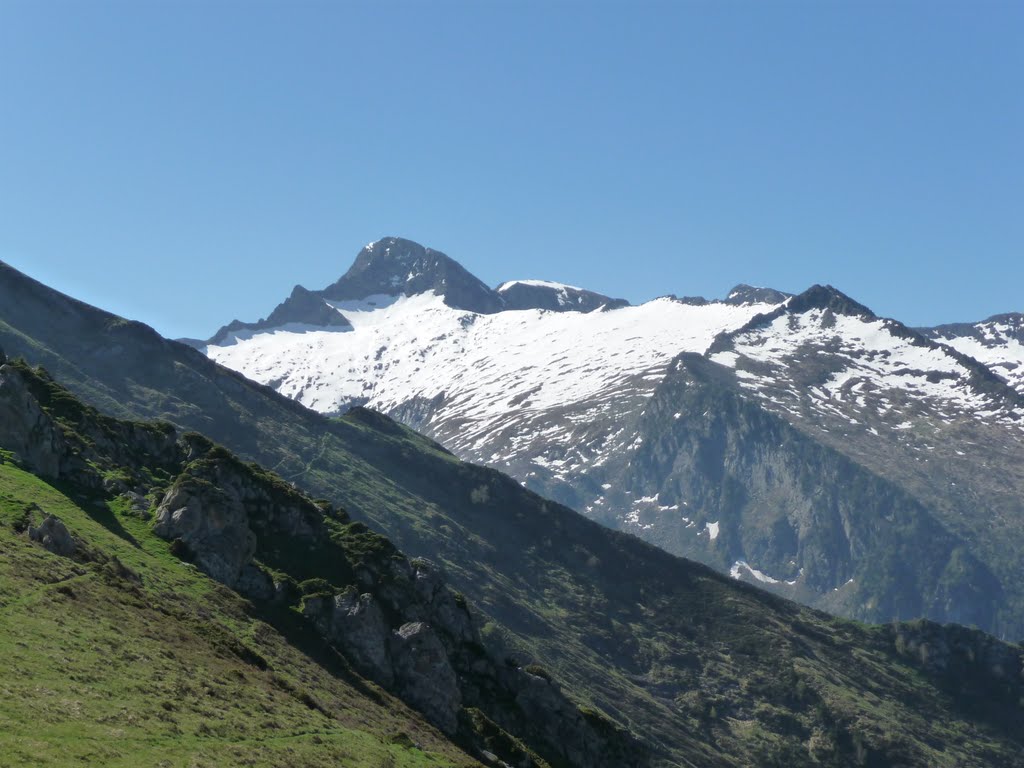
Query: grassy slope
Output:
(104,668)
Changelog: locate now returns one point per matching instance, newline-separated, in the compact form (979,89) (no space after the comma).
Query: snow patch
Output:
(741,565)
(537,284)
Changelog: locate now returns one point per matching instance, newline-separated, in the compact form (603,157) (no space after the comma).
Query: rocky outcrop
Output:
(444,608)
(219,508)
(303,307)
(554,297)
(403,632)
(53,536)
(355,624)
(212,523)
(58,437)
(749,294)
(394,266)
(404,628)
(26,429)
(424,674)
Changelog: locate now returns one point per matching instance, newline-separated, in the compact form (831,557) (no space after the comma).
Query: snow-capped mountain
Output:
(943,432)
(532,390)
(793,441)
(997,342)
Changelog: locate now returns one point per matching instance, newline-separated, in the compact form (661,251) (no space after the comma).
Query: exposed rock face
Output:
(404,628)
(355,624)
(394,266)
(303,307)
(749,294)
(554,297)
(26,429)
(814,524)
(31,409)
(54,536)
(541,700)
(444,608)
(213,524)
(424,674)
(217,508)
(410,651)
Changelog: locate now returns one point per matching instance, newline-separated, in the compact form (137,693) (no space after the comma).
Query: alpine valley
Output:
(208,569)
(798,442)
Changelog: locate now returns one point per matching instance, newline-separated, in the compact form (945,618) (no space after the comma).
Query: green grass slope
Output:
(127,656)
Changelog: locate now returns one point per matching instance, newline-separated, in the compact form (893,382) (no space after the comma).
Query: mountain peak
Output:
(752,294)
(302,307)
(827,297)
(394,265)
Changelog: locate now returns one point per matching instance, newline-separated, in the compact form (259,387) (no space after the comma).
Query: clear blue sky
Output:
(186,163)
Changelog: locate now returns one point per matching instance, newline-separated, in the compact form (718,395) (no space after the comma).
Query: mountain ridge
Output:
(713,672)
(394,266)
(560,405)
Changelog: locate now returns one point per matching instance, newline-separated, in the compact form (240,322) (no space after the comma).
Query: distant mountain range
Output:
(797,442)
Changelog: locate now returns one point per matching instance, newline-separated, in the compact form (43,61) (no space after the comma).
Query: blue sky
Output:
(186,163)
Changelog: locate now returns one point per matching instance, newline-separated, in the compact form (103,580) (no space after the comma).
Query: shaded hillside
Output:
(721,479)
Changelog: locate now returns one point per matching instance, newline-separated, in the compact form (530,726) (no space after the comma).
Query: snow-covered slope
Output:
(911,409)
(997,342)
(922,415)
(859,368)
(491,387)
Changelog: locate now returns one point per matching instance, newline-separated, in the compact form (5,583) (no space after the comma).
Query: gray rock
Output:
(26,429)
(302,307)
(555,298)
(212,523)
(355,624)
(220,510)
(54,536)
(424,676)
(395,266)
(446,612)
(558,719)
(256,584)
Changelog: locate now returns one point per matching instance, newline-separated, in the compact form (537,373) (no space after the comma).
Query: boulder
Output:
(54,536)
